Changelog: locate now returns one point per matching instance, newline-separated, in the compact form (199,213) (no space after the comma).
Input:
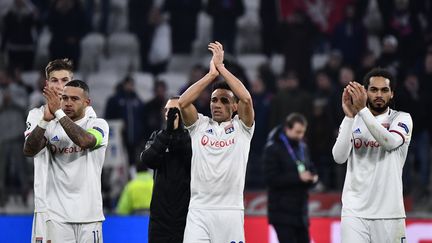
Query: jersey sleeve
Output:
(100,129)
(33,118)
(247,130)
(201,120)
(403,126)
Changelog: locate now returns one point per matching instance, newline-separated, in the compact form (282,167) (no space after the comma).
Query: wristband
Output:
(59,114)
(43,124)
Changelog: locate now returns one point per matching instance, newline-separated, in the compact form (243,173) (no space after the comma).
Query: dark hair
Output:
(175,97)
(223,85)
(79,84)
(294,118)
(58,64)
(379,72)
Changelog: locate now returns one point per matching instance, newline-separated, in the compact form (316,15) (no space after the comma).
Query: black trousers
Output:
(162,234)
(292,233)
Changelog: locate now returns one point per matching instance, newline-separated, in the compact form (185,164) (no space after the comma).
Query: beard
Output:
(378,109)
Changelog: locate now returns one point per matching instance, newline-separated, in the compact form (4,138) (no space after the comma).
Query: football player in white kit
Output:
(374,139)
(76,145)
(220,149)
(57,74)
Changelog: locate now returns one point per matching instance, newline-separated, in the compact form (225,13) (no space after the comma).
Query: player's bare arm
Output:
(77,134)
(187,109)
(245,106)
(35,142)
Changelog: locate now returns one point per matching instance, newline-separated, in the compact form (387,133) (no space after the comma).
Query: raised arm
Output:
(343,145)
(389,140)
(245,106)
(82,138)
(35,140)
(187,109)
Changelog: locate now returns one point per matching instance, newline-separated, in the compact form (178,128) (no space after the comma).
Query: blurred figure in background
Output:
(168,152)
(225,14)
(183,20)
(412,100)
(68,24)
(137,194)
(13,167)
(153,108)
(19,34)
(289,174)
(127,106)
(290,98)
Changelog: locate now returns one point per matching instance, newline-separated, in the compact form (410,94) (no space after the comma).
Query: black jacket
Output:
(169,155)
(287,194)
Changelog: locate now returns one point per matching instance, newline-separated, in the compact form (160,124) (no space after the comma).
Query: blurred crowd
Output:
(323,45)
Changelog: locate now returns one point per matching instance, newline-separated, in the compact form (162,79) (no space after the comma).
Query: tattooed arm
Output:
(77,134)
(35,142)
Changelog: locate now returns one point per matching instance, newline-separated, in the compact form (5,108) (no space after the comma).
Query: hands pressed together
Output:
(218,56)
(354,99)
(52,102)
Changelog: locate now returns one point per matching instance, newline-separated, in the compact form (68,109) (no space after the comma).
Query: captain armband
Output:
(97,134)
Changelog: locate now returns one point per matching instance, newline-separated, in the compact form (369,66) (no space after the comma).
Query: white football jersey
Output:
(74,174)
(219,159)
(42,158)
(373,183)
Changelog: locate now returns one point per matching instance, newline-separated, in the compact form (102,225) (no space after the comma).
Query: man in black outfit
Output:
(168,152)
(289,175)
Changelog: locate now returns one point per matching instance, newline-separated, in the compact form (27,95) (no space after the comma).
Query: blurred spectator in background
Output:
(183,20)
(261,98)
(143,18)
(389,58)
(349,36)
(333,65)
(367,62)
(225,14)
(36,98)
(298,35)
(290,98)
(14,170)
(137,194)
(410,99)
(68,24)
(127,106)
(153,108)
(92,7)
(168,152)
(289,174)
(401,20)
(19,34)
(270,24)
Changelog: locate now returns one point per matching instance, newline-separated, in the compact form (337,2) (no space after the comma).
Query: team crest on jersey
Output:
(404,126)
(357,131)
(209,131)
(229,129)
(28,125)
(55,139)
